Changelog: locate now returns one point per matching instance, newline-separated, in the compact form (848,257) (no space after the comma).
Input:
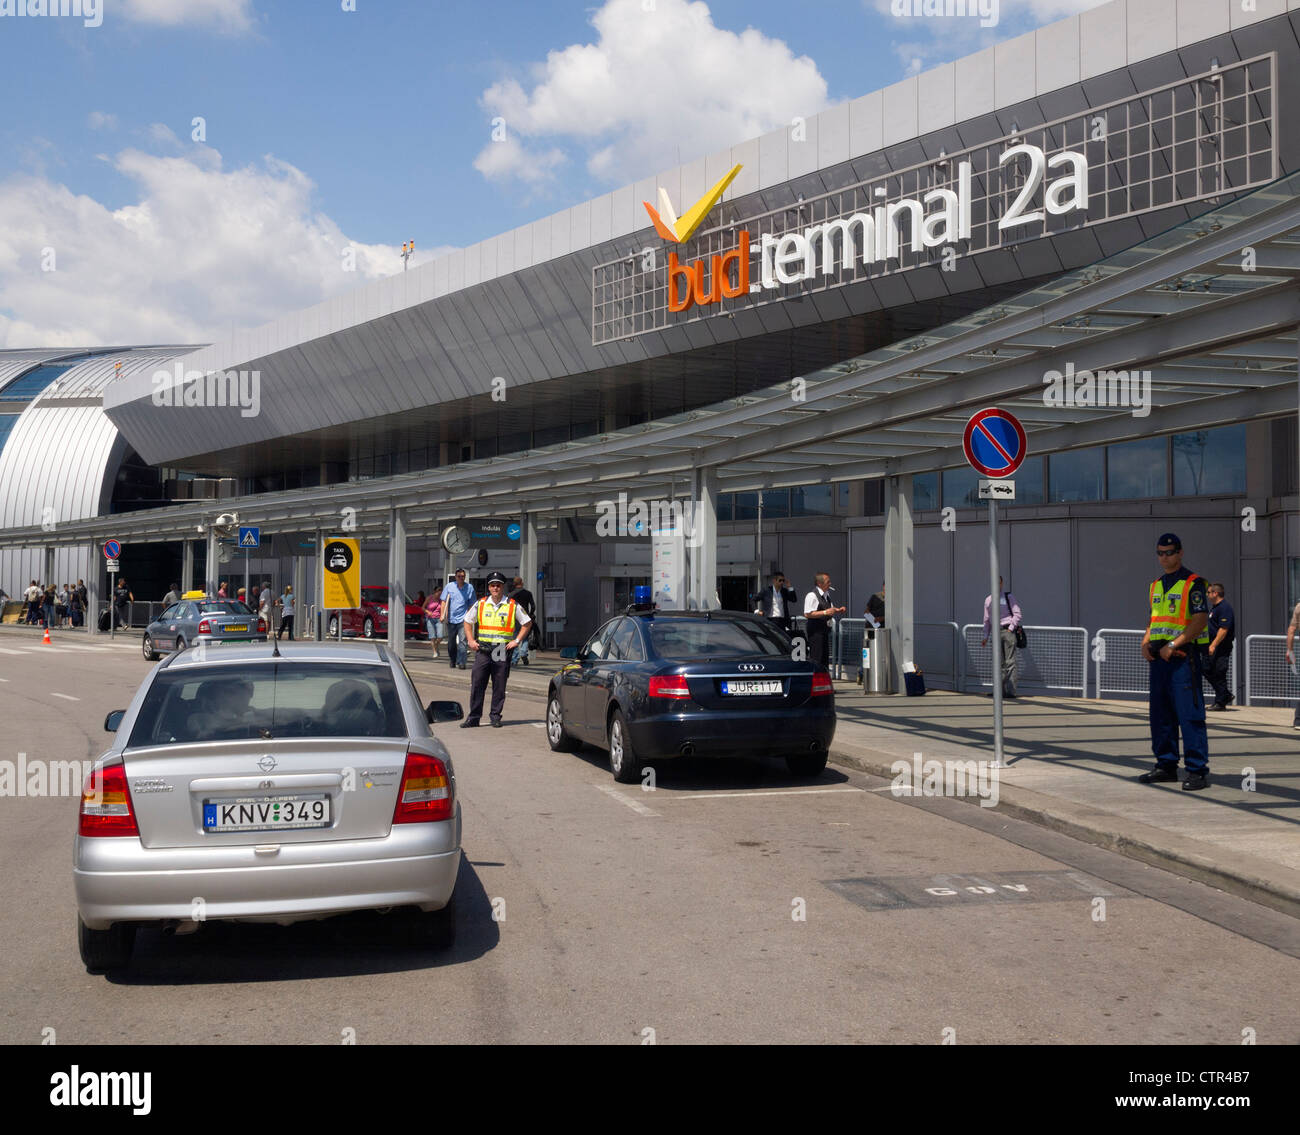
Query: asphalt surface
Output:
(594,912)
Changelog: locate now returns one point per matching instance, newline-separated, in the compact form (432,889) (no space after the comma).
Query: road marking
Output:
(767,792)
(66,697)
(636,805)
(6,650)
(538,724)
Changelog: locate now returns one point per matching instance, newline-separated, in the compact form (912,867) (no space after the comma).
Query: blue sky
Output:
(327,128)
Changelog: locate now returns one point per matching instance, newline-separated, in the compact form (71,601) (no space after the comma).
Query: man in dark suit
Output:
(778,601)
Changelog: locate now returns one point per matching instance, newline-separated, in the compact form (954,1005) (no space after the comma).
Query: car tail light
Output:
(673,686)
(426,791)
(205,627)
(106,804)
(261,626)
(821,684)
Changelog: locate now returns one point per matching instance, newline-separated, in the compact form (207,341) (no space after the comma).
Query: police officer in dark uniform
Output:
(1223,629)
(493,628)
(1173,643)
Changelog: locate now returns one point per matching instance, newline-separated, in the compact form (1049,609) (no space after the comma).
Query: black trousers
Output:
(485,665)
(286,627)
(819,644)
(1217,666)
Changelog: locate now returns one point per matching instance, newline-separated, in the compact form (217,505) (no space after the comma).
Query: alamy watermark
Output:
(1106,390)
(191,388)
(49,778)
(89,12)
(985,10)
(639,518)
(945,778)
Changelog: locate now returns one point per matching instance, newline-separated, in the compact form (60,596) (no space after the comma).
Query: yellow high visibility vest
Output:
(1169,611)
(496,623)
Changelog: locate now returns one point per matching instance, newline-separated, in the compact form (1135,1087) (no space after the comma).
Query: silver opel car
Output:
(263,784)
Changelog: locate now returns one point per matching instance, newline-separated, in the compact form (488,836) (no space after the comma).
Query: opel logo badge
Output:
(267,763)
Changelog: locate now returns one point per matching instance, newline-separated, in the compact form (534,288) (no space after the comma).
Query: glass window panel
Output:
(812,500)
(746,506)
(776,504)
(961,488)
(1210,461)
(726,505)
(1137,469)
(1029,482)
(1076,476)
(925,491)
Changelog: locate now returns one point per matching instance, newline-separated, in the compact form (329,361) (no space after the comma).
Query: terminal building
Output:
(1095,226)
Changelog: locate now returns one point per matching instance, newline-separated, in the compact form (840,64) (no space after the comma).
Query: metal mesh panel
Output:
(1268,676)
(934,650)
(1055,658)
(1120,668)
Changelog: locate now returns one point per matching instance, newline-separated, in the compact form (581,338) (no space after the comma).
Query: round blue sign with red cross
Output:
(994,442)
(112,549)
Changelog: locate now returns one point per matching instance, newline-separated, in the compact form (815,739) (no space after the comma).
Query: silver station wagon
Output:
(261,785)
(207,621)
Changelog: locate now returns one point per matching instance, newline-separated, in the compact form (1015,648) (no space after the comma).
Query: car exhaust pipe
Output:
(687,750)
(814,747)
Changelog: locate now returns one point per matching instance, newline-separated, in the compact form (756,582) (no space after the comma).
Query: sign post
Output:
(995,445)
(249,538)
(112,550)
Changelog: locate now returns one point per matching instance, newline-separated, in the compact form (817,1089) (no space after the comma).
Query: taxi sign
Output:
(112,549)
(994,442)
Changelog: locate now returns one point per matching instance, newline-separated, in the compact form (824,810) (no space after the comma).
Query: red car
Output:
(370,620)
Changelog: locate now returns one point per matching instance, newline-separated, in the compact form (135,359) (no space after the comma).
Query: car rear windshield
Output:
(713,638)
(222,607)
(269,701)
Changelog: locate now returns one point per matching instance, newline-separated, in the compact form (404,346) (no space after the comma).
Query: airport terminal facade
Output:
(1096,226)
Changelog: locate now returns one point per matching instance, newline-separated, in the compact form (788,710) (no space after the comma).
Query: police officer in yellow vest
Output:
(493,628)
(1177,636)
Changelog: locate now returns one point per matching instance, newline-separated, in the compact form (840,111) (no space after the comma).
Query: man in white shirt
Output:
(1009,621)
(819,612)
(778,601)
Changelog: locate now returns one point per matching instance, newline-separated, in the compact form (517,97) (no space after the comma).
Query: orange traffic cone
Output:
(46,640)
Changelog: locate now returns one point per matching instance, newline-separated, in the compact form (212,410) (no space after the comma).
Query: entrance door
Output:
(734,592)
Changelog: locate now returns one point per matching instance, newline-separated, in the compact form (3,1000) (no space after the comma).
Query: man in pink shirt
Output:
(1008,623)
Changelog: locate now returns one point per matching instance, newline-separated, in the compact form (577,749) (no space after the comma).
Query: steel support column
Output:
(899,576)
(187,566)
(700,521)
(397,581)
(528,553)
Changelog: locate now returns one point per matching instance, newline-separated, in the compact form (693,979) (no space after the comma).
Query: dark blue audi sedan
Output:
(652,685)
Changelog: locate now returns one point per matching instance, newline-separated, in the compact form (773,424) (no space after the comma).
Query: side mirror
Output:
(114,721)
(443,711)
(583,654)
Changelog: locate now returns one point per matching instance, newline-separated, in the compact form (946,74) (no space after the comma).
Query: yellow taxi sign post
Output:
(341,575)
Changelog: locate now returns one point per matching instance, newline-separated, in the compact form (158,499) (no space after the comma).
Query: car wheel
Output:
(150,655)
(429,930)
(180,643)
(333,630)
(368,629)
(622,760)
(806,764)
(560,741)
(104,950)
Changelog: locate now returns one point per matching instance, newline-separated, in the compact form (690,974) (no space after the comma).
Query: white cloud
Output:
(101,120)
(657,87)
(199,249)
(162,135)
(234,16)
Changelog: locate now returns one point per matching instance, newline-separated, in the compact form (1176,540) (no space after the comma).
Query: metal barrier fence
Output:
(1268,675)
(1119,667)
(1056,658)
(934,650)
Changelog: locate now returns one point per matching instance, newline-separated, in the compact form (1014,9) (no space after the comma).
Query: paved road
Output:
(623,911)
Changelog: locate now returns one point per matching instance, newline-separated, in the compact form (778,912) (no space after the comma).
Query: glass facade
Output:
(33,382)
(1078,475)
(1210,462)
(1138,469)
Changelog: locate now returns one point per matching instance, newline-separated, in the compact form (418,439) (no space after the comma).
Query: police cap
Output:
(1169,540)
(497,577)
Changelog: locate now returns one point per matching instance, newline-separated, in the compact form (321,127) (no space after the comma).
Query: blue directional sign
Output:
(513,532)
(250,537)
(995,442)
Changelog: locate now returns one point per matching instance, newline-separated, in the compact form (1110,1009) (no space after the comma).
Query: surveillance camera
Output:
(199,529)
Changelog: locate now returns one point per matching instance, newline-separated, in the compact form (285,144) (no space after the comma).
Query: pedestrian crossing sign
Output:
(250,537)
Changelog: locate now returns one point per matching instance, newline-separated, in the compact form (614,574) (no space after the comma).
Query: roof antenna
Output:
(275,647)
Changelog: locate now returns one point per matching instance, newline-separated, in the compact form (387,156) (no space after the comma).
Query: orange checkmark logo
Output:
(669,226)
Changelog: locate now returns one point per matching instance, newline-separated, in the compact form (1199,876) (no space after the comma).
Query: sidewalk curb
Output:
(1257,880)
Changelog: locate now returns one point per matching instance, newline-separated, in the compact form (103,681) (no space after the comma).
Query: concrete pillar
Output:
(318,585)
(212,569)
(528,554)
(299,595)
(701,539)
(187,566)
(397,581)
(92,590)
(899,573)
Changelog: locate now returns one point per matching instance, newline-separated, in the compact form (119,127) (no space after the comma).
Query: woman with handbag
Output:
(1010,632)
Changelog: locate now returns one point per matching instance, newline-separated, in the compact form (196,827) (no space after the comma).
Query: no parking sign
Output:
(994,442)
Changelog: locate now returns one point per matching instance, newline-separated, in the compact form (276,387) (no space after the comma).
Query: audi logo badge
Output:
(749,666)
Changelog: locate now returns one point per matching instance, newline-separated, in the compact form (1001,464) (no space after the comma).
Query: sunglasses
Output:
(1163,553)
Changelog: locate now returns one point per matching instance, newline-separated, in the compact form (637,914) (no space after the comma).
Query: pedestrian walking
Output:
(76,610)
(1174,641)
(433,621)
(778,602)
(48,603)
(122,600)
(33,596)
(1218,660)
(493,628)
(173,596)
(521,595)
(61,605)
(265,603)
(286,613)
(819,615)
(457,598)
(1009,634)
(222,592)
(1290,657)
